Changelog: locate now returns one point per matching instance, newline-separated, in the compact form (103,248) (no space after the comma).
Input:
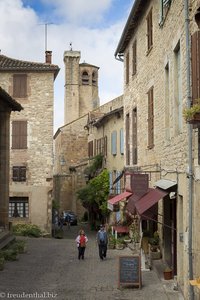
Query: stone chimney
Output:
(48,55)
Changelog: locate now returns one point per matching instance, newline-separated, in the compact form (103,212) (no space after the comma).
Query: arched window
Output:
(94,78)
(85,78)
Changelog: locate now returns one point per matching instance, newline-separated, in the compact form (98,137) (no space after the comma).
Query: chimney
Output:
(48,57)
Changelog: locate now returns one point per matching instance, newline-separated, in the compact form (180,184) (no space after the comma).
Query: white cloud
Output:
(22,37)
(80,11)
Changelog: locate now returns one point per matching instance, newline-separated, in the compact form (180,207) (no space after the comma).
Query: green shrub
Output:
(19,246)
(58,234)
(10,254)
(27,230)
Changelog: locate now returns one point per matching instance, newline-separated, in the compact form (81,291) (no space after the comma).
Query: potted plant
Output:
(127,239)
(192,114)
(111,241)
(167,273)
(154,247)
(119,243)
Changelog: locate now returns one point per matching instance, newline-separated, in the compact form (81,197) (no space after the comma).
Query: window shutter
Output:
(134,58)
(134,130)
(118,182)
(195,49)
(15,176)
(22,173)
(19,134)
(110,182)
(150,119)
(114,143)
(105,145)
(122,141)
(127,68)
(127,140)
(149,30)
(20,85)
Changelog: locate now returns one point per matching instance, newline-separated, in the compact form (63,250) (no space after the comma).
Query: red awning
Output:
(119,197)
(149,199)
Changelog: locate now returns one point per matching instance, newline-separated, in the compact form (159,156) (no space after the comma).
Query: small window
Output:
(19,135)
(164,8)
(19,174)
(18,207)
(85,78)
(19,85)
(149,31)
(94,78)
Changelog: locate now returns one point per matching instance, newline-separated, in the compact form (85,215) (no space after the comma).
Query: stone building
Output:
(155,50)
(31,156)
(7,105)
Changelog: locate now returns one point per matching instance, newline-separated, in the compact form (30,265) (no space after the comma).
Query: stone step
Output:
(5,238)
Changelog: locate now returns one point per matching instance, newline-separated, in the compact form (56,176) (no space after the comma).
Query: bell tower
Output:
(81,87)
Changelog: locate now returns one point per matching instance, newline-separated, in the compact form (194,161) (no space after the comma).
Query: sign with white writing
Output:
(129,271)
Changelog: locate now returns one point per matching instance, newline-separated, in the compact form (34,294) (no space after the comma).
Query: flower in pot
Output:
(127,239)
(119,243)
(167,273)
(192,114)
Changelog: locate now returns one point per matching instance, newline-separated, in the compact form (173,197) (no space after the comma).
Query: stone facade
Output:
(7,105)
(162,69)
(33,193)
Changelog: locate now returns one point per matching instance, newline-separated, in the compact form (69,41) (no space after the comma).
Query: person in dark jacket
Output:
(102,241)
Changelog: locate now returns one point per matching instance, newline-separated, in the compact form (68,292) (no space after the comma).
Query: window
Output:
(134,64)
(94,78)
(18,207)
(19,174)
(164,8)
(195,54)
(178,105)
(100,146)
(85,78)
(127,139)
(134,135)
(121,141)
(150,119)
(167,103)
(114,143)
(19,135)
(127,68)
(149,31)
(90,149)
(20,85)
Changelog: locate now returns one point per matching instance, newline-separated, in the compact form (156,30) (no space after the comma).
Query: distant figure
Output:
(61,221)
(102,240)
(81,242)
(68,220)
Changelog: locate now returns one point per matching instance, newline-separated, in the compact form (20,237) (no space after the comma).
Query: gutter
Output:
(190,169)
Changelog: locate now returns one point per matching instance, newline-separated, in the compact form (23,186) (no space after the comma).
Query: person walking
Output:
(68,221)
(102,241)
(81,242)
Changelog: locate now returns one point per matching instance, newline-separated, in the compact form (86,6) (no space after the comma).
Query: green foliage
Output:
(10,254)
(58,234)
(95,193)
(19,246)
(27,230)
(96,165)
(55,205)
(188,113)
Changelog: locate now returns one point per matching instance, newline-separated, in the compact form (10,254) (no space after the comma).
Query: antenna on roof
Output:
(70,46)
(45,34)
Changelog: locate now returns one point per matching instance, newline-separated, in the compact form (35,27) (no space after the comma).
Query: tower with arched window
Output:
(81,87)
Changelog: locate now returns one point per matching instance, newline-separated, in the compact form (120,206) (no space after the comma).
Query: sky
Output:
(94,28)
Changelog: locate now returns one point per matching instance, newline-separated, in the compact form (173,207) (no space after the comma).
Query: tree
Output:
(94,196)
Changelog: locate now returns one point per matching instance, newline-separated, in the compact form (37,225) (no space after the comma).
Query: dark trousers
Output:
(102,250)
(81,251)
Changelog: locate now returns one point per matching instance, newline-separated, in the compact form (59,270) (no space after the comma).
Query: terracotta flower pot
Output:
(167,275)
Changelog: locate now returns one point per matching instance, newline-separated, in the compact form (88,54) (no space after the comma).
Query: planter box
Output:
(155,254)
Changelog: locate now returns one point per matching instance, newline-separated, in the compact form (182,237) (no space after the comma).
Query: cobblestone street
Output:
(50,270)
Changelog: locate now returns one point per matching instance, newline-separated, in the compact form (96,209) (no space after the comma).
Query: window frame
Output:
(19,173)
(19,134)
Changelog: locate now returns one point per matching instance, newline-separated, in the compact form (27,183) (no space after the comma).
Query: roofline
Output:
(12,103)
(110,113)
(119,50)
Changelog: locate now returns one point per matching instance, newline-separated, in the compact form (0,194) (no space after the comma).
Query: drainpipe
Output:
(190,180)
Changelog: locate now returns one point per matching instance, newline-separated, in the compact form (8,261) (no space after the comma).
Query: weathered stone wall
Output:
(38,157)
(170,150)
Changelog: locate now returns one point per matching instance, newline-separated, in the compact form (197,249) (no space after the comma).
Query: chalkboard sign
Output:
(129,270)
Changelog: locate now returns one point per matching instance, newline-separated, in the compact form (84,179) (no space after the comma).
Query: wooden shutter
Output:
(149,30)
(150,119)
(110,183)
(114,142)
(127,140)
(22,174)
(90,149)
(134,52)
(195,49)
(134,136)
(20,85)
(19,134)
(122,141)
(105,145)
(127,68)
